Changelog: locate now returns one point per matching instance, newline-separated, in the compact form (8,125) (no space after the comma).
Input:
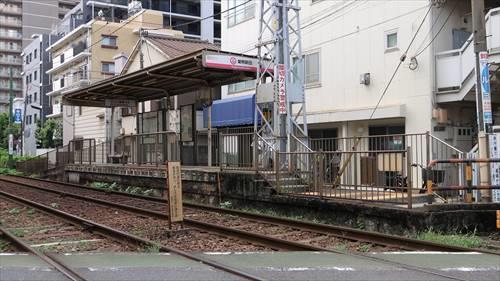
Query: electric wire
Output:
(439,31)
(401,60)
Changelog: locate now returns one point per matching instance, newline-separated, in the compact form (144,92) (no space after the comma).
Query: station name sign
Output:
(229,61)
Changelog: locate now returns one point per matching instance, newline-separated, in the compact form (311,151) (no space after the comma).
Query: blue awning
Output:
(237,111)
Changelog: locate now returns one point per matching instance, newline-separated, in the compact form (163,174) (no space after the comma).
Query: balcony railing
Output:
(11,10)
(8,48)
(455,66)
(12,23)
(11,61)
(11,35)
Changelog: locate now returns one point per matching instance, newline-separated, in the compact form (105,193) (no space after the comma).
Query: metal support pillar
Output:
(280,83)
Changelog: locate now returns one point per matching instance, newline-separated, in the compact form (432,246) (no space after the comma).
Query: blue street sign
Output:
(485,88)
(18,116)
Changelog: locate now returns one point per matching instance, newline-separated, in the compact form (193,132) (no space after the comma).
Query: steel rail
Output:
(337,231)
(49,259)
(264,240)
(362,256)
(125,236)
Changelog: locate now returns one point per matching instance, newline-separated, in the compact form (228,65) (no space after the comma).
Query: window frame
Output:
(388,33)
(107,63)
(109,46)
(313,83)
(233,13)
(231,90)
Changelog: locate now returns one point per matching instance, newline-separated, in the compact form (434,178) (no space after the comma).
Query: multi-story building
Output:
(36,84)
(80,23)
(19,21)
(86,55)
(10,49)
(182,15)
(350,55)
(40,16)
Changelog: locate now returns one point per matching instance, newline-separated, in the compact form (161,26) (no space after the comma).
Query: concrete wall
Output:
(351,42)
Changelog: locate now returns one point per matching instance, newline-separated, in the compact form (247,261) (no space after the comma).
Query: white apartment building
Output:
(343,41)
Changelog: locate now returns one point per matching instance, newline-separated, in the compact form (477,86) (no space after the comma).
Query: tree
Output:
(4,130)
(50,135)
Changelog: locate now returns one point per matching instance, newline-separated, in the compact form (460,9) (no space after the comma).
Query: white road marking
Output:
(468,269)
(428,253)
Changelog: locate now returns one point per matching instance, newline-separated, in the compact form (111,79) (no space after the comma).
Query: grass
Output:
(18,232)
(364,248)
(155,248)
(467,240)
(341,247)
(3,245)
(14,211)
(31,211)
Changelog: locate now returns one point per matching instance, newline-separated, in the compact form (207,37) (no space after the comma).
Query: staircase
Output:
(289,182)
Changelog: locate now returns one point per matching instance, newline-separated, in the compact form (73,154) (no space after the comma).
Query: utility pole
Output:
(483,99)
(280,85)
(11,136)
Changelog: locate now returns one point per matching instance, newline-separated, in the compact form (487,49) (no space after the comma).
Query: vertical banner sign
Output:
(282,88)
(494,140)
(485,87)
(17,116)
(174,191)
(11,144)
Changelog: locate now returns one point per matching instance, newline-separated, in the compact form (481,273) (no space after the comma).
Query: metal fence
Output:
(386,168)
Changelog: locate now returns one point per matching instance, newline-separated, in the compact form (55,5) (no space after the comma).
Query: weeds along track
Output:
(318,236)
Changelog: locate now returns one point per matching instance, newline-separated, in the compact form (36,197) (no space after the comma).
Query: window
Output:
(69,111)
(311,69)
(35,74)
(243,12)
(34,53)
(108,41)
(34,118)
(62,58)
(241,86)
(391,40)
(35,96)
(108,67)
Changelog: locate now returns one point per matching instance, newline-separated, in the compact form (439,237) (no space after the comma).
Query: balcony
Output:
(10,36)
(455,68)
(77,55)
(6,87)
(12,23)
(77,80)
(11,10)
(57,110)
(11,61)
(10,49)
(6,74)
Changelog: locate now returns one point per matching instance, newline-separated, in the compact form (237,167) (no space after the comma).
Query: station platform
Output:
(268,265)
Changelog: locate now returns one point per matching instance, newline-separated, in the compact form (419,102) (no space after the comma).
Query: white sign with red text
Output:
(282,88)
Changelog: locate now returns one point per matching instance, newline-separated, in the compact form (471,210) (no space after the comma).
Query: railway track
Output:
(108,232)
(167,248)
(319,236)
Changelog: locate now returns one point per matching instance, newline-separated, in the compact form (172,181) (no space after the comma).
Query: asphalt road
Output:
(271,266)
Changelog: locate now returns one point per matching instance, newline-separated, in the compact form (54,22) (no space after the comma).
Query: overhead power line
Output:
(401,60)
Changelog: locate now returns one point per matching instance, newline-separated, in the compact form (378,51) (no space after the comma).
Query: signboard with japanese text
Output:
(228,61)
(282,88)
(485,88)
(174,182)
(494,142)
